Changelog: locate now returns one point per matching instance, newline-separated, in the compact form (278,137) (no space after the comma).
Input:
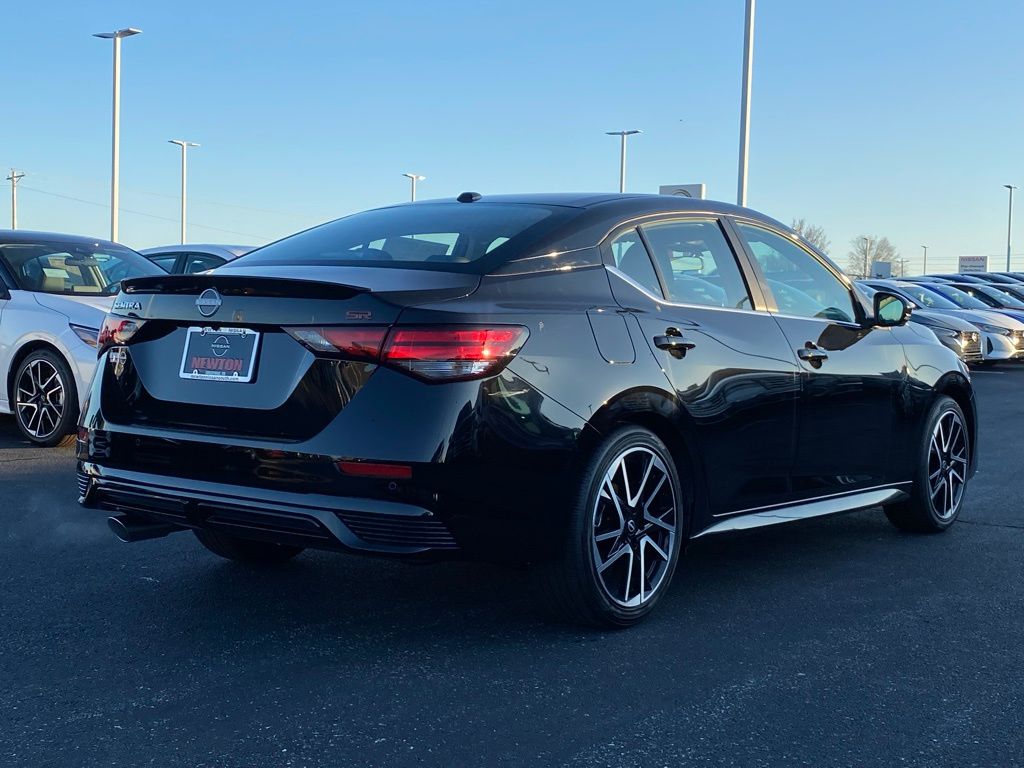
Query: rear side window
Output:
(631,259)
(200,262)
(431,235)
(697,263)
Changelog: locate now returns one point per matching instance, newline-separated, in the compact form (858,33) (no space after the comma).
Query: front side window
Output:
(802,285)
(697,263)
(631,259)
(79,269)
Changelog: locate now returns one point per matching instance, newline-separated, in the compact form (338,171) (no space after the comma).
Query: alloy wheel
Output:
(41,399)
(947,464)
(635,523)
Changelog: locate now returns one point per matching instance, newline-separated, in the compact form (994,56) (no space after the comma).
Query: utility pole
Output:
(867,256)
(748,74)
(14,178)
(924,269)
(184,188)
(1009,225)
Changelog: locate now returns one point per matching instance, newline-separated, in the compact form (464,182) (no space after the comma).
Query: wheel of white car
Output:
(45,399)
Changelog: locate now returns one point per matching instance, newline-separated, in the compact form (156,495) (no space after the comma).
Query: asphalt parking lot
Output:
(836,643)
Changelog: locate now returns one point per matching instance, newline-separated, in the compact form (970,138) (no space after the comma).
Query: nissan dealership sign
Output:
(973,264)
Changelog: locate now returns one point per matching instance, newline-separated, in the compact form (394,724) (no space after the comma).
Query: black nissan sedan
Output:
(579,383)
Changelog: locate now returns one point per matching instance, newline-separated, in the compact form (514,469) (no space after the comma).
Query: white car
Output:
(55,291)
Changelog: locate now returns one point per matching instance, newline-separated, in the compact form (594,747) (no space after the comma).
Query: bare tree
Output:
(813,234)
(867,249)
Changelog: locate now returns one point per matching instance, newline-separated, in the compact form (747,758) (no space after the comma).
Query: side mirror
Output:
(891,309)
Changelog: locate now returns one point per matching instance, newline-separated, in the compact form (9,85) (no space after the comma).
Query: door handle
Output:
(812,354)
(674,343)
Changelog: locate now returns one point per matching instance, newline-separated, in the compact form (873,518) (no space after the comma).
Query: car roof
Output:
(213,249)
(31,236)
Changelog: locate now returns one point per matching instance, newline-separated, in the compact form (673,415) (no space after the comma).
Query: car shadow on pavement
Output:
(364,601)
(10,437)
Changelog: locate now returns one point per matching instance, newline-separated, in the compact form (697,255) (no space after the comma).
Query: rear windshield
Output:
(79,269)
(430,236)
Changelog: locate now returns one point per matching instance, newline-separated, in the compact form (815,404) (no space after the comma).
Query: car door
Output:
(853,372)
(727,361)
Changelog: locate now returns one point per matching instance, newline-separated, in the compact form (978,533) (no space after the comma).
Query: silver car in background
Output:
(192,258)
(55,291)
(1002,337)
(952,331)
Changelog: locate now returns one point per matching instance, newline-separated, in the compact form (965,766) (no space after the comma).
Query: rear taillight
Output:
(117,330)
(453,353)
(439,353)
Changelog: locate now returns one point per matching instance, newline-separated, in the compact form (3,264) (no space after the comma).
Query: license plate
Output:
(222,354)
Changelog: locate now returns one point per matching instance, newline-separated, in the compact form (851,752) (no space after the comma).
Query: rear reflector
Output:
(375,469)
(353,342)
(117,330)
(438,353)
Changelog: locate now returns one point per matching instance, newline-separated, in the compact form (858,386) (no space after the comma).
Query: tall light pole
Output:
(748,74)
(924,269)
(867,256)
(184,170)
(1009,225)
(115,161)
(413,178)
(622,155)
(14,178)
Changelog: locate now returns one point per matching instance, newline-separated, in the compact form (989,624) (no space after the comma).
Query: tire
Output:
(940,479)
(594,576)
(246,550)
(45,399)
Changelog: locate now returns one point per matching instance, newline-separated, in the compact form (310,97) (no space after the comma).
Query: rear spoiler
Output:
(241,285)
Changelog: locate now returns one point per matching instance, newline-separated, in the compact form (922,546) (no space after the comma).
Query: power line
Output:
(143,213)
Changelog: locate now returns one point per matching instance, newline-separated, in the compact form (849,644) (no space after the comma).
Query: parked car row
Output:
(979,316)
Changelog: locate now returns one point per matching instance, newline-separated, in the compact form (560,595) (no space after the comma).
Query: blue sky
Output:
(899,119)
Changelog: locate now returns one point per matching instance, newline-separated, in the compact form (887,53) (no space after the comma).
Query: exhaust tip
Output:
(131,529)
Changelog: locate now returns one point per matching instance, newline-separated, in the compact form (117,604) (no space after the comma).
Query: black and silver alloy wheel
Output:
(622,537)
(45,400)
(940,481)
(634,527)
(947,464)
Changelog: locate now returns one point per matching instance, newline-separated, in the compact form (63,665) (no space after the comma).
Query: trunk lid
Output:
(292,392)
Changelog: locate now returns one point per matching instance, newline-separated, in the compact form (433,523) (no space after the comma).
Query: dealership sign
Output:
(973,264)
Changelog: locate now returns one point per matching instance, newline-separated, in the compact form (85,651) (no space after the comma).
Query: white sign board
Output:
(973,264)
(696,191)
(881,270)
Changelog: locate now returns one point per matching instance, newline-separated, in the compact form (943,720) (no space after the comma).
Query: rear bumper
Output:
(308,520)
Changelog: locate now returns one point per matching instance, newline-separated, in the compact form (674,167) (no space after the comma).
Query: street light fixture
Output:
(622,155)
(413,178)
(1009,225)
(924,269)
(115,160)
(184,154)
